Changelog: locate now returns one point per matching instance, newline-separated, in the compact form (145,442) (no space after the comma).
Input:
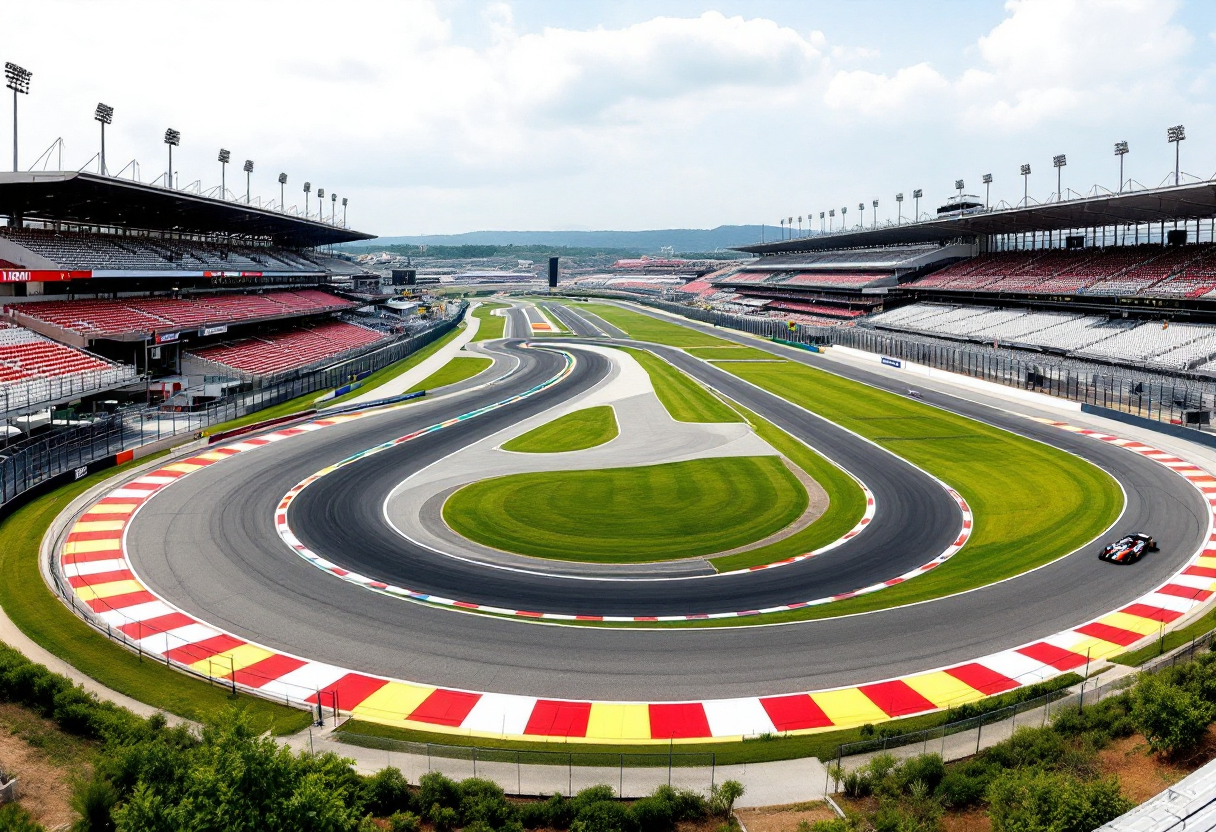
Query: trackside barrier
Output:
(244,429)
(964,738)
(345,408)
(538,773)
(33,461)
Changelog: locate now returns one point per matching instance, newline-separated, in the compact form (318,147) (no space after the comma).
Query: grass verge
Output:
(575,431)
(645,328)
(631,515)
(765,748)
(1176,638)
(42,617)
(735,353)
(490,326)
(455,371)
(684,399)
(302,404)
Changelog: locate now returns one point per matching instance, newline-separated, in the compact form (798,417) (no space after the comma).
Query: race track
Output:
(208,544)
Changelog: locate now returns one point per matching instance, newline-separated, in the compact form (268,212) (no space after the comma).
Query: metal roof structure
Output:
(1182,203)
(91,199)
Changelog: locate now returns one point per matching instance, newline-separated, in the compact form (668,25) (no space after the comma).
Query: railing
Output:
(37,460)
(632,774)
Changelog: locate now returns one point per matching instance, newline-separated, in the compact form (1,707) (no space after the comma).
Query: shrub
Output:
(483,801)
(1111,717)
(590,795)
(1027,747)
(404,822)
(961,788)
(93,800)
(436,789)
(603,816)
(442,818)
(927,769)
(1171,718)
(386,792)
(15,819)
(1035,799)
(653,814)
(722,797)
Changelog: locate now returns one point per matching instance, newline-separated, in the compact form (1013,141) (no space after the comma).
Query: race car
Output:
(1129,548)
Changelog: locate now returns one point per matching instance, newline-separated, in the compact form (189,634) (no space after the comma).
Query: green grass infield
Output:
(575,431)
(684,399)
(455,371)
(44,619)
(490,326)
(631,515)
(645,328)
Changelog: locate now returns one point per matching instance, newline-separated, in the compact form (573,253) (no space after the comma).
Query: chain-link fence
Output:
(1174,398)
(957,739)
(631,774)
(36,460)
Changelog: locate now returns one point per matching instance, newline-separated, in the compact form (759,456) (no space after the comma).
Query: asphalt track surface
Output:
(208,545)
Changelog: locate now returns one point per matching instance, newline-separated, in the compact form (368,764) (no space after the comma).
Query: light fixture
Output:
(916,195)
(1120,151)
(282,185)
(1176,135)
(17,79)
(172,139)
(1026,185)
(104,114)
(224,158)
(307,190)
(248,172)
(1059,162)
(899,208)
(987,180)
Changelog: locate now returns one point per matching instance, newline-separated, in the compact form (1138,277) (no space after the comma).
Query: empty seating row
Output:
(146,315)
(290,349)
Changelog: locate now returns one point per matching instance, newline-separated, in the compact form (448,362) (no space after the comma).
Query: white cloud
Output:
(872,94)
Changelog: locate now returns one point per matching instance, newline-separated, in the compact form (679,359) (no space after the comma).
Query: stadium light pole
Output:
(800,225)
(172,139)
(916,195)
(248,174)
(320,204)
(1120,151)
(333,209)
(821,222)
(843,212)
(17,79)
(225,158)
(987,180)
(282,185)
(899,208)
(831,219)
(307,189)
(874,220)
(344,212)
(958,185)
(1058,162)
(1026,185)
(1175,135)
(782,221)
(104,114)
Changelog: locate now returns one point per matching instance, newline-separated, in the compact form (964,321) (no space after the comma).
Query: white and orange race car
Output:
(1129,548)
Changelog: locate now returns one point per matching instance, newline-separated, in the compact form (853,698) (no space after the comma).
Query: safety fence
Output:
(37,460)
(1162,397)
(631,774)
(961,738)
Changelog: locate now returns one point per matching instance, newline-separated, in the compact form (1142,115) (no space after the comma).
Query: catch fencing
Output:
(962,738)
(632,774)
(36,460)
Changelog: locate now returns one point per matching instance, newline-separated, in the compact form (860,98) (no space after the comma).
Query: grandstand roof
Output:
(1185,202)
(90,199)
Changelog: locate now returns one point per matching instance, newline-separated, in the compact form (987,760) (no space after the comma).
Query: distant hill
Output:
(681,239)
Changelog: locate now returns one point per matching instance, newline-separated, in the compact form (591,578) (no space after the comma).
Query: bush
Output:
(1110,718)
(386,792)
(1027,747)
(1172,719)
(603,816)
(924,768)
(722,797)
(961,787)
(483,802)
(404,822)
(442,818)
(15,819)
(93,800)
(653,814)
(590,795)
(1030,800)
(434,788)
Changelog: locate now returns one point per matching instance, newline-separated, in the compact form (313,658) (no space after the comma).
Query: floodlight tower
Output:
(1058,162)
(344,212)
(916,195)
(800,225)
(104,114)
(172,139)
(831,218)
(1120,151)
(1026,185)
(282,199)
(987,180)
(843,211)
(225,158)
(958,185)
(861,221)
(874,221)
(248,174)
(1175,135)
(307,189)
(899,208)
(16,79)
(333,209)
(320,204)
(821,215)
(782,221)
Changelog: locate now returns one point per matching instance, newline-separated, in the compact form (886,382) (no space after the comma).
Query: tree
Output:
(1031,800)
(1172,719)
(722,797)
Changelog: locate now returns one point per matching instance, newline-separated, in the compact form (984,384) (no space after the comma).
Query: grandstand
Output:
(140,275)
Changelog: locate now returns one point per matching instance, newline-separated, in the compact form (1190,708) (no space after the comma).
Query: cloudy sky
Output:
(458,115)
